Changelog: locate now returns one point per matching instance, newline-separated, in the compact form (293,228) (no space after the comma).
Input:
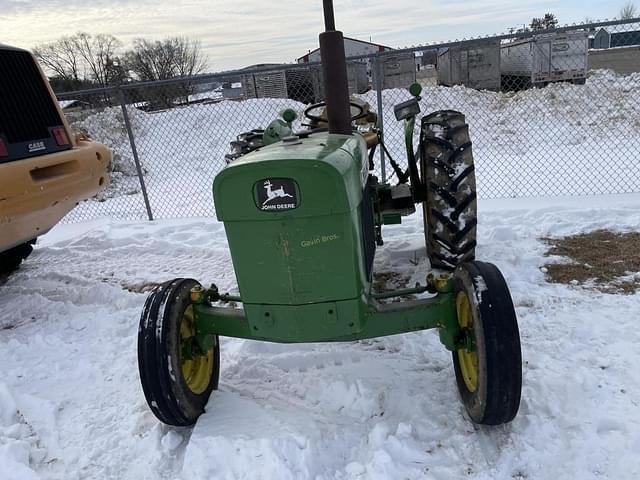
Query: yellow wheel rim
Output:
(468,360)
(197,371)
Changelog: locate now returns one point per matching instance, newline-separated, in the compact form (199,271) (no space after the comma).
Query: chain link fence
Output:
(551,113)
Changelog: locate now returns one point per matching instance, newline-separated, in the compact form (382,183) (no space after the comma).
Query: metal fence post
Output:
(378,83)
(132,142)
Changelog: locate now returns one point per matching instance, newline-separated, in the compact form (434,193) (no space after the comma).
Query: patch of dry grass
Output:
(604,260)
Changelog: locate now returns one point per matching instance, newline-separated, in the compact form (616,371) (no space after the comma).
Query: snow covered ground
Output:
(71,406)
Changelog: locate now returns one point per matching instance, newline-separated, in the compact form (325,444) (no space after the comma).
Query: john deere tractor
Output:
(303,214)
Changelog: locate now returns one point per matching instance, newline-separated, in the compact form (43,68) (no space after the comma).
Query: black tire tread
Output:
(448,172)
(148,354)
(162,389)
(503,357)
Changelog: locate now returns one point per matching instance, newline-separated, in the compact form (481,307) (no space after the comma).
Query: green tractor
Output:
(303,214)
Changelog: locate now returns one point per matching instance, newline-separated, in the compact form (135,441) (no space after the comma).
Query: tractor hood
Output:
(318,175)
(291,212)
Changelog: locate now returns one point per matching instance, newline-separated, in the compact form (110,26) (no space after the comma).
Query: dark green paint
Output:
(409,125)
(338,321)
(415,89)
(289,115)
(276,131)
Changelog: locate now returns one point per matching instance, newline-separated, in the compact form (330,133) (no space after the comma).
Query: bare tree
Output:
(61,58)
(172,57)
(190,60)
(149,60)
(82,57)
(169,58)
(99,54)
(628,11)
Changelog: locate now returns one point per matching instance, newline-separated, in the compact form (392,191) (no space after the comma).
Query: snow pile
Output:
(107,126)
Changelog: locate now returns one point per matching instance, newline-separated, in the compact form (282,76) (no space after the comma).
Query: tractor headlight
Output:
(407,109)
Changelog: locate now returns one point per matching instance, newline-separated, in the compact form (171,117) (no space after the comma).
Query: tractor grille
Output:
(27,111)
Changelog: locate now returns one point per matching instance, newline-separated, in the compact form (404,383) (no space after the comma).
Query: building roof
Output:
(353,40)
(257,66)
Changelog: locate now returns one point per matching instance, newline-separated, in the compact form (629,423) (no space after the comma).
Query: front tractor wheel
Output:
(177,376)
(448,173)
(489,366)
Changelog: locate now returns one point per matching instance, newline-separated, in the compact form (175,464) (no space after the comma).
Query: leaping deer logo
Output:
(271,194)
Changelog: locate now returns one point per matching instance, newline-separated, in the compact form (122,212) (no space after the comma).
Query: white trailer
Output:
(475,66)
(397,70)
(541,59)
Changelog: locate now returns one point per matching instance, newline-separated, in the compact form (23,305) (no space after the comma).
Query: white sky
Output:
(243,32)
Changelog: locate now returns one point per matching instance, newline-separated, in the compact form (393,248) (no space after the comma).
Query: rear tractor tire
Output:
(489,368)
(12,258)
(448,172)
(176,384)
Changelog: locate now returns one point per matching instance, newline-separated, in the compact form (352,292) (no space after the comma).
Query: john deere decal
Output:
(276,194)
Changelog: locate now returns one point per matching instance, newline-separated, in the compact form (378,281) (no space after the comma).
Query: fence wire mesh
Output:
(551,113)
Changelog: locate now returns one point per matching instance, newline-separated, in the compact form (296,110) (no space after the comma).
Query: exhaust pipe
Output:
(334,70)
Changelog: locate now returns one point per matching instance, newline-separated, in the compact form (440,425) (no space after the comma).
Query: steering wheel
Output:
(317,118)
